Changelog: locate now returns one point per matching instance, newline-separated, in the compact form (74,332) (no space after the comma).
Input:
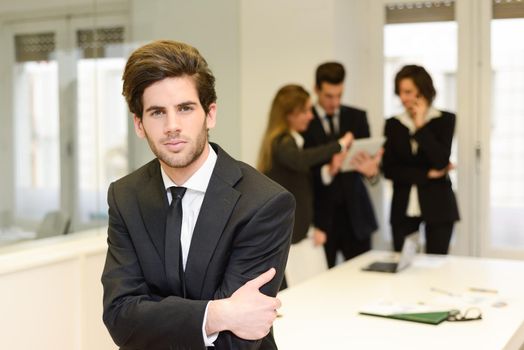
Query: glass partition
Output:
(36,126)
(66,119)
(507,134)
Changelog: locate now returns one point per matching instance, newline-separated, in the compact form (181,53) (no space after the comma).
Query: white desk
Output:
(322,313)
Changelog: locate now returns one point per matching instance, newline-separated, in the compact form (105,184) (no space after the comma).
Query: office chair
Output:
(54,223)
(5,218)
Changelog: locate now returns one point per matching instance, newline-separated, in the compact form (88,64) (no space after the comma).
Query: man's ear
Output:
(139,127)
(211,117)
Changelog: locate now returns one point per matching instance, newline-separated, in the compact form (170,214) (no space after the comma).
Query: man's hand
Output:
(248,313)
(319,237)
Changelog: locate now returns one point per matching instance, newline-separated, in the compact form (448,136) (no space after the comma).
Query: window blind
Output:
(34,47)
(96,43)
(423,11)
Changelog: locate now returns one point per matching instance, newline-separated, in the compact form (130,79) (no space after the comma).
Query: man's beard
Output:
(177,160)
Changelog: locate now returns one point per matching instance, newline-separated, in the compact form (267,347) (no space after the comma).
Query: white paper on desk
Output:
(387,308)
(369,145)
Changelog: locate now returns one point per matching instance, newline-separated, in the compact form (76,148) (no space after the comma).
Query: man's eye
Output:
(185,108)
(157,114)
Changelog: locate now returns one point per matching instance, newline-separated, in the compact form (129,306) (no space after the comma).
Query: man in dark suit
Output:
(343,209)
(197,241)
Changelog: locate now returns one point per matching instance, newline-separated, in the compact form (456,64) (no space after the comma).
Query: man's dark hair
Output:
(163,59)
(331,73)
(420,78)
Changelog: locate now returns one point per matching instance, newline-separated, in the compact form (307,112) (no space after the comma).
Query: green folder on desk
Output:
(414,312)
(435,317)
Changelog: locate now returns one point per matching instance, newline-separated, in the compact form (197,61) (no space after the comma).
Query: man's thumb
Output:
(263,278)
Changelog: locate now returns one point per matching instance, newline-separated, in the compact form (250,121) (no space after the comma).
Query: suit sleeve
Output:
(135,317)
(261,244)
(287,153)
(363,128)
(393,167)
(436,143)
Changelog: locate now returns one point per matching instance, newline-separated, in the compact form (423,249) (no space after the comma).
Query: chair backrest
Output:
(5,218)
(54,223)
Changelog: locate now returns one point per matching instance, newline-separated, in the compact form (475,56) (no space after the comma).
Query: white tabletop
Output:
(322,313)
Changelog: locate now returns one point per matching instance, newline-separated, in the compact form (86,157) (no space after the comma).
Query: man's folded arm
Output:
(135,317)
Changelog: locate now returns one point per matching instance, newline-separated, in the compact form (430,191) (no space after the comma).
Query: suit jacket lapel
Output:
(219,201)
(153,204)
(318,129)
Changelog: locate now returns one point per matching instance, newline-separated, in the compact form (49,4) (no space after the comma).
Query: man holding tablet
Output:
(343,209)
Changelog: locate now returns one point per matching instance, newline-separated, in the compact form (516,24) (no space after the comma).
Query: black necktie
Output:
(332,134)
(173,231)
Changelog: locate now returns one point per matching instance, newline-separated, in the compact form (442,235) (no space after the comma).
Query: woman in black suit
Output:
(416,159)
(283,159)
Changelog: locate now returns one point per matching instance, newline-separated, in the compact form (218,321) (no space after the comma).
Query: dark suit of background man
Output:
(342,205)
(184,275)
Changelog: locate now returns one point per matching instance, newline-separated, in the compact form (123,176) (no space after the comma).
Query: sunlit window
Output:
(36,123)
(428,39)
(102,119)
(507,133)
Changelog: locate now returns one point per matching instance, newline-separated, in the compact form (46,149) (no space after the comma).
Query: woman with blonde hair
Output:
(283,159)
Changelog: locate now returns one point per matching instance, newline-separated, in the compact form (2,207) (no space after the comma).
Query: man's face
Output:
(174,122)
(329,96)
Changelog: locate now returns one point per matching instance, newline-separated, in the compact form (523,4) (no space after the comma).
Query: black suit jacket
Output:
(291,167)
(436,197)
(348,187)
(243,229)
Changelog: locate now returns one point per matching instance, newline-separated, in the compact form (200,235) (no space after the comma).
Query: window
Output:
(507,126)
(422,33)
(69,118)
(102,119)
(36,124)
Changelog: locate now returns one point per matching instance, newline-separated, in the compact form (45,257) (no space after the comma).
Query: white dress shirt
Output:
(325,176)
(325,123)
(299,140)
(191,203)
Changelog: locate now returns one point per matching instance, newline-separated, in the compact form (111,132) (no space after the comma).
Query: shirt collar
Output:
(299,140)
(407,121)
(200,179)
(322,113)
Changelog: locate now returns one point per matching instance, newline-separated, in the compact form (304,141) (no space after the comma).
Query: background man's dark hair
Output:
(420,78)
(163,59)
(330,72)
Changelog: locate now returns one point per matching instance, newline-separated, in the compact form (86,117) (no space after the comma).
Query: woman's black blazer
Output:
(436,197)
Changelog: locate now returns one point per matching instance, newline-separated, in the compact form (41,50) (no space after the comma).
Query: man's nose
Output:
(172,122)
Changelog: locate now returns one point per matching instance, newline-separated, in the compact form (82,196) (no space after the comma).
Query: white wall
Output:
(283,42)
(213,28)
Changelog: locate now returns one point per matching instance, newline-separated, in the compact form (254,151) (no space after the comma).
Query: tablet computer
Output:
(369,145)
